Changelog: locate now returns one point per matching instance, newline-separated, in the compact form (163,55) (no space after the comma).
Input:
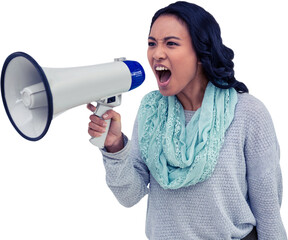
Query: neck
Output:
(192,96)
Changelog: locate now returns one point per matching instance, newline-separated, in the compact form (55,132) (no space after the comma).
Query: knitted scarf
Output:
(178,155)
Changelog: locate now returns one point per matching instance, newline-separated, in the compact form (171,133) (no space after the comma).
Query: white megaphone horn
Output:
(33,95)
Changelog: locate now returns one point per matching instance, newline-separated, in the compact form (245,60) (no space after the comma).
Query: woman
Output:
(203,149)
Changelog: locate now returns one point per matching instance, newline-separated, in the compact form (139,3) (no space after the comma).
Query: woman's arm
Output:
(126,174)
(263,173)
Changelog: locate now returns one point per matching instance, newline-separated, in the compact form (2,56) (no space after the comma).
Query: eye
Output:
(151,44)
(172,43)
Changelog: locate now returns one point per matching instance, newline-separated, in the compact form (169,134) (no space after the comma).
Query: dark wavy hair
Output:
(205,33)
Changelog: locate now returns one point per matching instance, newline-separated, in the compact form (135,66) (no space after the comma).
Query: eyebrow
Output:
(164,39)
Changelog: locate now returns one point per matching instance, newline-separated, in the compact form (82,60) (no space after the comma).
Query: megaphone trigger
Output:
(102,107)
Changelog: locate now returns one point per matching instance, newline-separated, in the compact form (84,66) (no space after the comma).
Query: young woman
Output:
(203,149)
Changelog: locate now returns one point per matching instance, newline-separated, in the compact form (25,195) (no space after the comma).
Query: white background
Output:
(55,188)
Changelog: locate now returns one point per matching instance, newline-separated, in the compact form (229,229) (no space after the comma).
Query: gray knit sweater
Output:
(245,189)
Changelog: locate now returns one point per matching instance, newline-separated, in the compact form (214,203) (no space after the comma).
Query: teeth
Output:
(161,69)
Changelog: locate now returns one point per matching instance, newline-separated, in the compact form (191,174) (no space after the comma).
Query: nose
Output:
(159,53)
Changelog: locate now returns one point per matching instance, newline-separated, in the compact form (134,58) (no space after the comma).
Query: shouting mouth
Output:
(163,75)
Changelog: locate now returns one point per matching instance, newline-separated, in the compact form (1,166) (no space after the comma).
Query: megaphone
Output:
(34,95)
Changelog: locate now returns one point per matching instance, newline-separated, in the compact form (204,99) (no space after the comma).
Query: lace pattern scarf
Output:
(179,156)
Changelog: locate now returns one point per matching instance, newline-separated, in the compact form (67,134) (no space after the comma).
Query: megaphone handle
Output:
(100,110)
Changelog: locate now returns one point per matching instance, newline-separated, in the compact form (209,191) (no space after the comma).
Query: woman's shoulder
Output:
(250,104)
(251,109)
(249,101)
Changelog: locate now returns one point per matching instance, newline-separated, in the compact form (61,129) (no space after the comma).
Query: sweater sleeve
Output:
(126,174)
(263,172)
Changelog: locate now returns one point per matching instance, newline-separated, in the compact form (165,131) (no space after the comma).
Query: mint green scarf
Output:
(179,156)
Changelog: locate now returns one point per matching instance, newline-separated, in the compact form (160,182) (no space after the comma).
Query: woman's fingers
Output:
(95,119)
(97,126)
(91,107)
(111,114)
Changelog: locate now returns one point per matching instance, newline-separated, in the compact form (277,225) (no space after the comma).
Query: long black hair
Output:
(205,33)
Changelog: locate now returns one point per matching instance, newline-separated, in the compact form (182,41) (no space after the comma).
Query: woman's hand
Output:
(97,126)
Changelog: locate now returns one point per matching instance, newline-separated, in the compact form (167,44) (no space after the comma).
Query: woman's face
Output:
(171,55)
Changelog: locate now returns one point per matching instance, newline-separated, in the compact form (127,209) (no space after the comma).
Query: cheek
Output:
(149,57)
(189,64)
(185,71)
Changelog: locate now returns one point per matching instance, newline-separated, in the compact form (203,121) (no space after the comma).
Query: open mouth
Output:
(163,74)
